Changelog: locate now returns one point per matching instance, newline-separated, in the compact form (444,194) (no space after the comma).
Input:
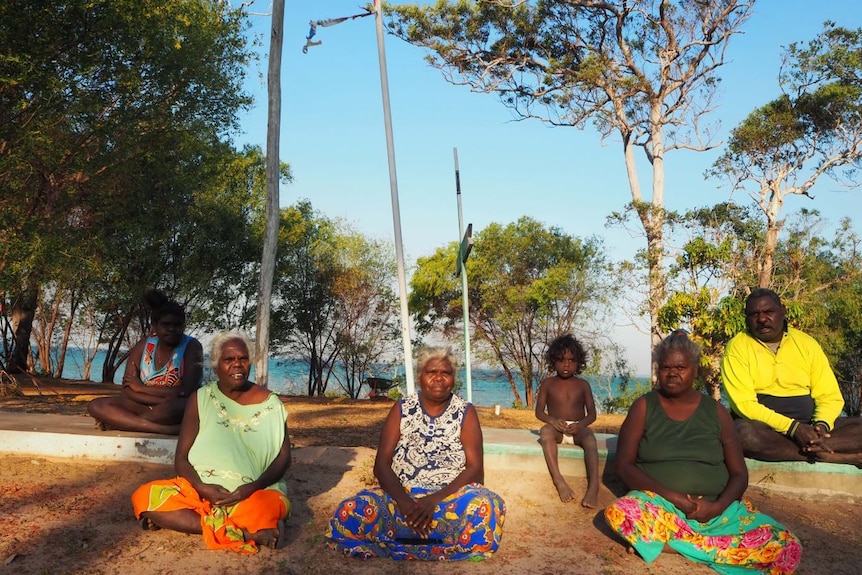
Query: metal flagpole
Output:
(461,268)
(396,211)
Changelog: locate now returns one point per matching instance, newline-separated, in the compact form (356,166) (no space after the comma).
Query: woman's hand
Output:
(241,493)
(704,509)
(419,514)
(212,492)
(681,501)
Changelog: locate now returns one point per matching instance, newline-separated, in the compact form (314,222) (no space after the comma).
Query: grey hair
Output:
(428,353)
(678,340)
(221,339)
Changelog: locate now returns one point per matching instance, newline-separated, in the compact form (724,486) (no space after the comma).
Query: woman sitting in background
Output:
(232,454)
(679,454)
(431,503)
(162,370)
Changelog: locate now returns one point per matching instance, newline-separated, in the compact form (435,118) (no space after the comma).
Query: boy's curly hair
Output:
(562,344)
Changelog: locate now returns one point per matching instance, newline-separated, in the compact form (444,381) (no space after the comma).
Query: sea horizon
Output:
(289,376)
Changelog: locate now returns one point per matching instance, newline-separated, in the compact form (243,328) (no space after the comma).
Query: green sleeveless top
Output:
(685,456)
(236,443)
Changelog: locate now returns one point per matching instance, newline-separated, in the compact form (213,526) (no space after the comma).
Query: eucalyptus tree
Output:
(334,301)
(813,129)
(709,279)
(304,306)
(368,321)
(818,274)
(644,72)
(528,284)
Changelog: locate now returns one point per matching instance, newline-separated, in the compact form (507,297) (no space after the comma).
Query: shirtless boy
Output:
(566,405)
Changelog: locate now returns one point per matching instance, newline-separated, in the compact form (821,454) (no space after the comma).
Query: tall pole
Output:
(267,262)
(396,211)
(465,303)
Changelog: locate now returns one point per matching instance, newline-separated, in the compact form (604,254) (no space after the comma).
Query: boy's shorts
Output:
(568,439)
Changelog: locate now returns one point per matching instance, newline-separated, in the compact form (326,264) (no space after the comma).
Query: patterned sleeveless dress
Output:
(429,455)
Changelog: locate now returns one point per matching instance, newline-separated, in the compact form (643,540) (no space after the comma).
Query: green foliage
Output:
(623,401)
(110,126)
(641,71)
(527,284)
(818,278)
(333,302)
(394,393)
(811,130)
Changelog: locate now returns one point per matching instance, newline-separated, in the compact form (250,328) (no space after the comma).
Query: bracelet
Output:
(794,426)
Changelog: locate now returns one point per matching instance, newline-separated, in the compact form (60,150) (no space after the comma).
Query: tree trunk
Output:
(67,334)
(273,161)
(113,357)
(764,274)
(23,311)
(44,334)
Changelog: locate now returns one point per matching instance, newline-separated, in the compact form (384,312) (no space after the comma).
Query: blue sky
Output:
(333,137)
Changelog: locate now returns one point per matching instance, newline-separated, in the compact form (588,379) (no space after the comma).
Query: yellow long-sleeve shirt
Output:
(799,367)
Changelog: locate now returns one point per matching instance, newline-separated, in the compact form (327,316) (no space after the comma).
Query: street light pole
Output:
(396,211)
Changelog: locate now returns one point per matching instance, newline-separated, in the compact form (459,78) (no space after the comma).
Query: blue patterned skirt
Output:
(466,525)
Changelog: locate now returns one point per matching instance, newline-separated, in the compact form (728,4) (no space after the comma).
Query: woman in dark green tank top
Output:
(679,455)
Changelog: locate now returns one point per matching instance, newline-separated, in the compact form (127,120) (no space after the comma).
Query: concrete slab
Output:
(52,435)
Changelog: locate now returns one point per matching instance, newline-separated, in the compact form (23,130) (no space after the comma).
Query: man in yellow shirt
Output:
(783,393)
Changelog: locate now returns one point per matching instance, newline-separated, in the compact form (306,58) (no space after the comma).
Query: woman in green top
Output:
(679,455)
(232,454)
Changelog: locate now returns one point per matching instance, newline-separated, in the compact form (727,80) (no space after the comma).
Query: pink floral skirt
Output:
(740,540)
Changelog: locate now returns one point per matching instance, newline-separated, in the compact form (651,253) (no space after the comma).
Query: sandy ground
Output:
(74,516)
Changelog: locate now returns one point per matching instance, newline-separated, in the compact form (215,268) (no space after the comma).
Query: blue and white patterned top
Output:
(429,453)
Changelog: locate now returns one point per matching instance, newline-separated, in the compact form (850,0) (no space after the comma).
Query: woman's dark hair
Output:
(678,340)
(160,305)
(558,348)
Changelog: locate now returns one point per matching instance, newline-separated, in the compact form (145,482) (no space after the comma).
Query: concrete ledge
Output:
(520,449)
(51,435)
(47,444)
(806,479)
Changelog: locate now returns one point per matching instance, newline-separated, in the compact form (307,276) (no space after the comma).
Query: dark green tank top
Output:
(685,456)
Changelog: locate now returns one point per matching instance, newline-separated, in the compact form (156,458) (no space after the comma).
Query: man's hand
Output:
(811,438)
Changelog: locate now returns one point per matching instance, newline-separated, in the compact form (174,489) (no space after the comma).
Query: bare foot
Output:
(147,524)
(565,492)
(851,458)
(272,538)
(591,497)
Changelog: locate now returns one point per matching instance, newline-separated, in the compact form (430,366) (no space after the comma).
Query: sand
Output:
(74,516)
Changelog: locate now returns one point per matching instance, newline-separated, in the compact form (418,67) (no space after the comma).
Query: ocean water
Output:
(289,376)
